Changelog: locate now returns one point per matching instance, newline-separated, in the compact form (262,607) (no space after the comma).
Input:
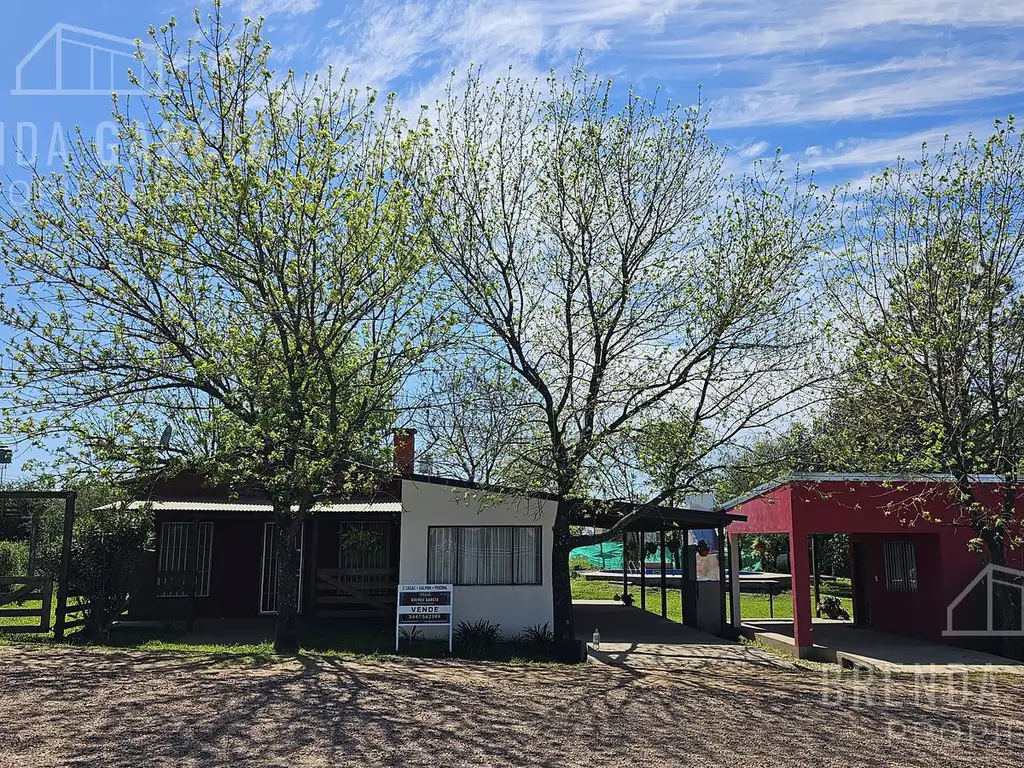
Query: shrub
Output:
(538,638)
(411,634)
(579,563)
(13,561)
(478,638)
(105,551)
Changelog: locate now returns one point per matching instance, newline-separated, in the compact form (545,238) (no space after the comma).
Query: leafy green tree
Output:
(929,285)
(601,259)
(247,269)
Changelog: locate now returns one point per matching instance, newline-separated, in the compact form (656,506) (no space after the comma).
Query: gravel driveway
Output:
(78,707)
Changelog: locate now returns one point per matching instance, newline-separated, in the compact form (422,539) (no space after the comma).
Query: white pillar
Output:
(734,580)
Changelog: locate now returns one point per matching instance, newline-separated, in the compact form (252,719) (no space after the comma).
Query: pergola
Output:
(662,520)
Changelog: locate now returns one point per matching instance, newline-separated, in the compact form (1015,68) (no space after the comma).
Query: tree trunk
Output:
(561,586)
(286,635)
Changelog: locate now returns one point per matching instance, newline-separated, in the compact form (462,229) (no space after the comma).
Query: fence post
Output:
(47,605)
(65,562)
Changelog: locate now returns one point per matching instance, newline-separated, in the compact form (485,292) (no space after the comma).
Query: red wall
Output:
(917,614)
(769,513)
(873,512)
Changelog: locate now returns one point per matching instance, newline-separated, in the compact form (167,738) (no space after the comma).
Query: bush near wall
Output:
(108,543)
(13,561)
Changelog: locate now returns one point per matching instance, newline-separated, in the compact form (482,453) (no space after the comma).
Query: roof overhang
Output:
(349,508)
(650,519)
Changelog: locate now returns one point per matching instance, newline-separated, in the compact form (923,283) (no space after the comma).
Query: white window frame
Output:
(454,567)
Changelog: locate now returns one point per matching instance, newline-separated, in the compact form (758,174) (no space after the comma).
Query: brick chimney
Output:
(405,451)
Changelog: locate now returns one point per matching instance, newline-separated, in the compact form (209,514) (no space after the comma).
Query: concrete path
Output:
(865,648)
(643,641)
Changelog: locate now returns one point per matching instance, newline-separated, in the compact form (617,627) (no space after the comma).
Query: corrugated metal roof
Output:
(364,507)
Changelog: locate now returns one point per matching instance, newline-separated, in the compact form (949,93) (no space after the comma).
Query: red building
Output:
(908,547)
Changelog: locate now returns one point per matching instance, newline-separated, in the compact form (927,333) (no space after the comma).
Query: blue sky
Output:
(842,86)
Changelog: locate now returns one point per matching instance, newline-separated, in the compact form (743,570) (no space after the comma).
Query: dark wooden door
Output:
(861,605)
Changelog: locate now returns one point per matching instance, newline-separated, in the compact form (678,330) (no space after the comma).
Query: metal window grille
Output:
(900,566)
(172,560)
(204,565)
(268,580)
(484,555)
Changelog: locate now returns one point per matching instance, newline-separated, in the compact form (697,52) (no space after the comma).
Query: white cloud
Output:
(761,27)
(764,62)
(882,150)
(753,150)
(269,8)
(387,41)
(815,91)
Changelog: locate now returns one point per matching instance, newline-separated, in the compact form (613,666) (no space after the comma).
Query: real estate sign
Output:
(424,605)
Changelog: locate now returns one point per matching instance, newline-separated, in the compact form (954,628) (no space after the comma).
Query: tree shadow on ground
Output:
(79,707)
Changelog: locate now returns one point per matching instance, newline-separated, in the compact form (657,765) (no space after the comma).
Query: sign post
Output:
(424,605)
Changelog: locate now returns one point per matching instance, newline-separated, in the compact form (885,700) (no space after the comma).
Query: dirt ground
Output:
(78,707)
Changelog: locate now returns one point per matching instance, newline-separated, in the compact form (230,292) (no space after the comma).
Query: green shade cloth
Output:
(604,557)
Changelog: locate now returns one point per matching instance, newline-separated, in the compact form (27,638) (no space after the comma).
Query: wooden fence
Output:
(16,592)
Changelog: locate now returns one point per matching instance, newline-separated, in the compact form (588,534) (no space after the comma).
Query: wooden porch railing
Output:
(355,592)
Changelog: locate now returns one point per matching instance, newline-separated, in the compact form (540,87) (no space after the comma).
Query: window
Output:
(900,567)
(173,559)
(205,562)
(478,555)
(170,566)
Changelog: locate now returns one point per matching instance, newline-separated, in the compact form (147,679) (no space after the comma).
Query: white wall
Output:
(512,607)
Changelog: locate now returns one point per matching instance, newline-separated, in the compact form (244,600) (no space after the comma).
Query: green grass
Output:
(327,639)
(21,621)
(753,605)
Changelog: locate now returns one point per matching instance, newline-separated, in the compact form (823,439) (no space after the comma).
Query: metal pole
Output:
(664,587)
(62,570)
(721,576)
(625,579)
(643,571)
(771,600)
(735,583)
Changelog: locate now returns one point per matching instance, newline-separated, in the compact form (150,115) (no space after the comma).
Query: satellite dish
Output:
(165,438)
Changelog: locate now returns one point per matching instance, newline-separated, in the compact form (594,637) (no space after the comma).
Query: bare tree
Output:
(473,420)
(602,260)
